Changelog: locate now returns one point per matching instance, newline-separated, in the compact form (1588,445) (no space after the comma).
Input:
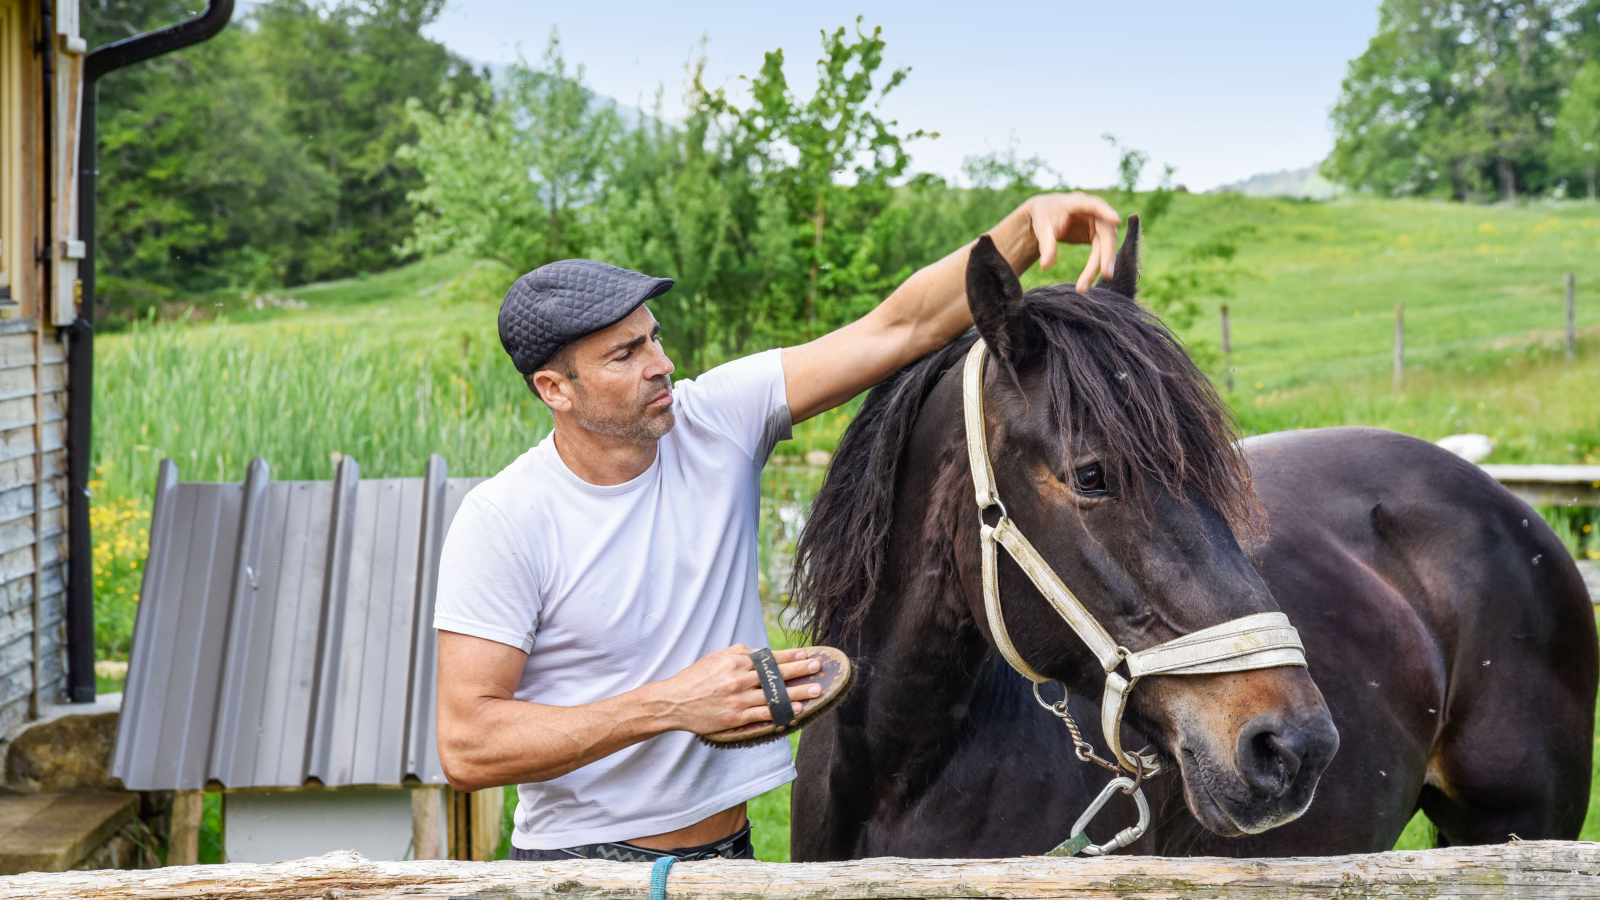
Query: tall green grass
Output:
(212,398)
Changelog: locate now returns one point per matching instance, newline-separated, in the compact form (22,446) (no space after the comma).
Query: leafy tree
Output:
(265,156)
(1451,97)
(201,180)
(683,202)
(1130,166)
(514,177)
(1577,128)
(343,72)
(1130,163)
(806,146)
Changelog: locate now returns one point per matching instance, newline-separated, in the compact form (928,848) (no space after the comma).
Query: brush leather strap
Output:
(1258,641)
(773,687)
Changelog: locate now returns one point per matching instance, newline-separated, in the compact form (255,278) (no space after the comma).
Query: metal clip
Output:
(1079,842)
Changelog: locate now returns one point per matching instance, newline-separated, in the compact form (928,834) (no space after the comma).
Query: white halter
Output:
(1260,641)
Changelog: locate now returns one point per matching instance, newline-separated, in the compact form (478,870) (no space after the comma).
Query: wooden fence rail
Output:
(1544,869)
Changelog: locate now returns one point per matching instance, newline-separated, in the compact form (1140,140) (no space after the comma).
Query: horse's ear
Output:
(1126,280)
(995,297)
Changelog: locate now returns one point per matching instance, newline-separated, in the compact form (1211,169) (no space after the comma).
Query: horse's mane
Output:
(1112,368)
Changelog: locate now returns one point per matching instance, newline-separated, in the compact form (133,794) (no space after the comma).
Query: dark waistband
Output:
(734,846)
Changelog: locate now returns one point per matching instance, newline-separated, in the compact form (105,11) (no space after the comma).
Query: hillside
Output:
(1303,184)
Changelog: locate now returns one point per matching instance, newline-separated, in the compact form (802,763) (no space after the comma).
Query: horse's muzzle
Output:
(1279,757)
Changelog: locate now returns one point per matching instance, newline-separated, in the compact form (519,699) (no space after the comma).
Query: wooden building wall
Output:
(37,172)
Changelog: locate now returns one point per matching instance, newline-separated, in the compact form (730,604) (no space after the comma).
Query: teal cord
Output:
(658,877)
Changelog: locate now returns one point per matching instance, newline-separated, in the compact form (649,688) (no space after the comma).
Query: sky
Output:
(1221,90)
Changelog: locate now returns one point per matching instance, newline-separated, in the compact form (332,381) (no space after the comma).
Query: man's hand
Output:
(721,690)
(930,308)
(1076,218)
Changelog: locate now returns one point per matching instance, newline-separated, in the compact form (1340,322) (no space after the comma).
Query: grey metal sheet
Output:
(284,632)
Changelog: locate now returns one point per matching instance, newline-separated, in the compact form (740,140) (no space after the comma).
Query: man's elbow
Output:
(461,777)
(462,765)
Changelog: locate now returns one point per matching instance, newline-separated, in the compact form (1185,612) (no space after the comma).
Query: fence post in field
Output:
(1572,319)
(1227,346)
(1399,345)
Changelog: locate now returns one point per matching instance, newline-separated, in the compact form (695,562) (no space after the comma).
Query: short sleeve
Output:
(488,585)
(745,401)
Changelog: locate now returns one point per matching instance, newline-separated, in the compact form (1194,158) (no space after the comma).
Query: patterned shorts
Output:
(734,846)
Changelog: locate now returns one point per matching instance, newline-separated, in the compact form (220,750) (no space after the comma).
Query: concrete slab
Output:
(54,832)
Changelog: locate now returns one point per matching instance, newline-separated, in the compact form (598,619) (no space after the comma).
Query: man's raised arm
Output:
(930,308)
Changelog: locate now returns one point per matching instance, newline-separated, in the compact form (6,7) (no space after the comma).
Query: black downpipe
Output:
(80,346)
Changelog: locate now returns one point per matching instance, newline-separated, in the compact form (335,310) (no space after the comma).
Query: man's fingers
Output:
(800,668)
(1108,257)
(784,656)
(1045,233)
(1086,279)
(1102,255)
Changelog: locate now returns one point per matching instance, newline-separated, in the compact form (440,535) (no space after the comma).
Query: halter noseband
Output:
(1260,641)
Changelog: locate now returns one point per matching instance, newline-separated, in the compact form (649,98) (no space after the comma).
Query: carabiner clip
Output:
(1080,843)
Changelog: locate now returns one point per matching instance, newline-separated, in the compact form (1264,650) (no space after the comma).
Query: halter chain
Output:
(1260,641)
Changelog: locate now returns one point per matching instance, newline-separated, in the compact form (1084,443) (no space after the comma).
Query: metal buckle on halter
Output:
(1080,843)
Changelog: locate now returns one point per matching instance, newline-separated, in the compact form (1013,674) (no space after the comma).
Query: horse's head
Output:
(1114,457)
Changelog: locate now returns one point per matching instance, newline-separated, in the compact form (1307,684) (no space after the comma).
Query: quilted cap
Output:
(558,303)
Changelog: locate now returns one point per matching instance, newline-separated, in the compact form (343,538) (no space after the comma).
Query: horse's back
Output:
(1444,622)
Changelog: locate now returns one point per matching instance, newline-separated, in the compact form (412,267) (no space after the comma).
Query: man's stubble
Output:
(639,424)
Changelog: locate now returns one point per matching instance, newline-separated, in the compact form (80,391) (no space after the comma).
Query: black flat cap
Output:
(558,303)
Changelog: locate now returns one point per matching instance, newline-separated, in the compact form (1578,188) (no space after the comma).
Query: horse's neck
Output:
(924,669)
(924,651)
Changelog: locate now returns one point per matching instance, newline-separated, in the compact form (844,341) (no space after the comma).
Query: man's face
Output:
(617,381)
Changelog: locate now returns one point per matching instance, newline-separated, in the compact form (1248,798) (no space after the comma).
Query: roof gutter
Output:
(80,348)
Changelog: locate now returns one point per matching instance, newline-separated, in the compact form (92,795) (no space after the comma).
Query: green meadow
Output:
(393,367)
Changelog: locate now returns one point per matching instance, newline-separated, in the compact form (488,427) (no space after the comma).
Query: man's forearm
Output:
(513,742)
(930,307)
(923,314)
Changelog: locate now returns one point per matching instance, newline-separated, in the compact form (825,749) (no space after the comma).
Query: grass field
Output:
(396,366)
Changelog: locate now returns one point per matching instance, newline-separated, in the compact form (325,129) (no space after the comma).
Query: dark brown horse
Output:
(1452,649)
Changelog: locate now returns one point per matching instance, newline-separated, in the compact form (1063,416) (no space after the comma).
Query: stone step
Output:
(54,832)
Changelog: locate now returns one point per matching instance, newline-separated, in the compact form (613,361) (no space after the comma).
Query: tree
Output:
(266,156)
(807,146)
(1451,97)
(513,178)
(201,181)
(1577,128)
(683,202)
(342,73)
(1130,166)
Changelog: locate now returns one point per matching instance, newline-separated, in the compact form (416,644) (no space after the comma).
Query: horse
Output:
(1450,645)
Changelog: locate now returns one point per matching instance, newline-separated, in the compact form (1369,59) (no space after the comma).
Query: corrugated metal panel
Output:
(284,632)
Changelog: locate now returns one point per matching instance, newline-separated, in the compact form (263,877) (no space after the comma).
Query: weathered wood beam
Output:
(1543,869)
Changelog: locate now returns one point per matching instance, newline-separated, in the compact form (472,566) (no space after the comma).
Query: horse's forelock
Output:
(1117,372)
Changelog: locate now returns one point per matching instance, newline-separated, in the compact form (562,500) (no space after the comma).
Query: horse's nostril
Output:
(1270,756)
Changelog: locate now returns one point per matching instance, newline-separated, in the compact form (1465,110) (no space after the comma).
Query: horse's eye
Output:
(1089,480)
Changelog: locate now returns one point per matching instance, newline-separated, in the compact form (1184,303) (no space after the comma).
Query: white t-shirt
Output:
(607,588)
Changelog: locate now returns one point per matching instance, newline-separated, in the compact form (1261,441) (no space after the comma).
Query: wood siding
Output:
(33,545)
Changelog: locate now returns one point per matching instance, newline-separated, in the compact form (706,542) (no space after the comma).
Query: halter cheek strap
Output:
(1260,641)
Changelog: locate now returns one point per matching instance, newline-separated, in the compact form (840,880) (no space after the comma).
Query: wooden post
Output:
(1399,345)
(1227,348)
(488,811)
(1572,319)
(183,835)
(428,822)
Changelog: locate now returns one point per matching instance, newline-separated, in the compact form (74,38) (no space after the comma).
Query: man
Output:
(597,599)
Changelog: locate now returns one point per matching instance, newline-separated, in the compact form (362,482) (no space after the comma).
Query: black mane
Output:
(1113,369)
